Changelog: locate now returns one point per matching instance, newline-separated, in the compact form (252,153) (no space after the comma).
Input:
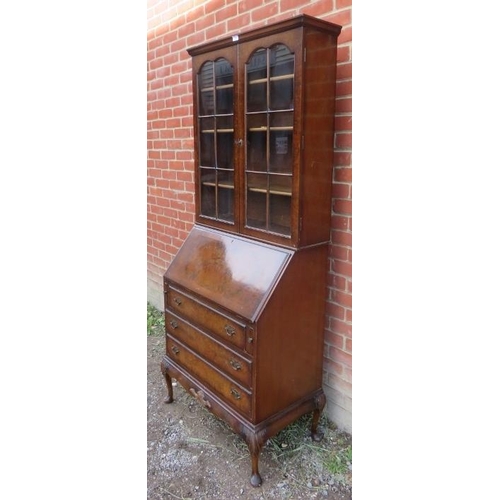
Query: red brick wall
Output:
(175,26)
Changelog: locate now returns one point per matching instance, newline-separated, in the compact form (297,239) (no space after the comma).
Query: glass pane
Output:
(281,61)
(280,185)
(225,97)
(206,89)
(281,137)
(257,142)
(224,87)
(207,182)
(225,141)
(257,200)
(279,213)
(207,143)
(225,195)
(281,69)
(257,81)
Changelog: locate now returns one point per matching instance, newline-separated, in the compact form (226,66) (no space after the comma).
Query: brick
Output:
(216,31)
(339,222)
(155,63)
(335,310)
(319,8)
(334,339)
(340,326)
(342,174)
(235,25)
(206,21)
(343,54)
(343,18)
(339,252)
(343,123)
(226,13)
(342,159)
(292,4)
(341,4)
(344,71)
(344,299)
(342,268)
(343,140)
(345,35)
(342,207)
(332,367)
(264,12)
(340,190)
(340,356)
(343,105)
(348,345)
(343,89)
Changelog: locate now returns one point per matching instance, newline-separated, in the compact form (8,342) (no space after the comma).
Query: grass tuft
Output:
(156,321)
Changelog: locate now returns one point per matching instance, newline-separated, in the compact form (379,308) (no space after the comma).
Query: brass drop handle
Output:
(177,301)
(236,366)
(235,394)
(173,324)
(229,330)
(175,350)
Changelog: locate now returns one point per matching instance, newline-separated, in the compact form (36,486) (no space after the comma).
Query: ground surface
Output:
(192,454)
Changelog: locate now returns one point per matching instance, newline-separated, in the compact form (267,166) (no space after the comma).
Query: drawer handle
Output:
(174,324)
(177,301)
(235,364)
(229,330)
(175,350)
(235,394)
(199,396)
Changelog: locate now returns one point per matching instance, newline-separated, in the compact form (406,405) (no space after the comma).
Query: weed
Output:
(156,321)
(338,461)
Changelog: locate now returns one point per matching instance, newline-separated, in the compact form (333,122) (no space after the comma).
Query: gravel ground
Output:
(193,454)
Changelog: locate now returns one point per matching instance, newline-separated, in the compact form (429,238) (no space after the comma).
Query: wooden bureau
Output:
(245,295)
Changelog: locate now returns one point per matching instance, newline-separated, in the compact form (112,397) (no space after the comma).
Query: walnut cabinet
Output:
(245,295)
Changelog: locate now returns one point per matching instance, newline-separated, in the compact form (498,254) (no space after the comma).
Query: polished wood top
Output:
(237,273)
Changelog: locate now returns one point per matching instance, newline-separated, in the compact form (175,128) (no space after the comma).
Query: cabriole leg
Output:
(319,403)
(168,381)
(255,442)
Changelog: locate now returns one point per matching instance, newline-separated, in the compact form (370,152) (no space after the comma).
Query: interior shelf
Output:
(272,79)
(221,185)
(217,87)
(219,131)
(272,129)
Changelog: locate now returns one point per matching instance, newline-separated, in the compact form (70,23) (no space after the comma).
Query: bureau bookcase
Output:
(245,294)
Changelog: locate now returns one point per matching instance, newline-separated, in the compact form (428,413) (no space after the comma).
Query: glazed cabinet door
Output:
(271,69)
(215,84)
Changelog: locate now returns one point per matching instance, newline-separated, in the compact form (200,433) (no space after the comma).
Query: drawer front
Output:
(230,392)
(196,312)
(228,361)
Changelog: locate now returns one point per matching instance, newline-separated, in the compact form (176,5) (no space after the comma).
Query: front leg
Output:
(168,380)
(255,442)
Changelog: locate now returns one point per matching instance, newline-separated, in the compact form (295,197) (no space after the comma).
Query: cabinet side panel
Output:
(318,121)
(289,358)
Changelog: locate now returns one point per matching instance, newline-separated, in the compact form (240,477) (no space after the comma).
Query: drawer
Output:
(229,391)
(227,328)
(227,360)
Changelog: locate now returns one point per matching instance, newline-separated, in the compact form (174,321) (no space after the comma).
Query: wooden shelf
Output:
(280,192)
(272,79)
(272,129)
(219,131)
(221,185)
(217,87)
